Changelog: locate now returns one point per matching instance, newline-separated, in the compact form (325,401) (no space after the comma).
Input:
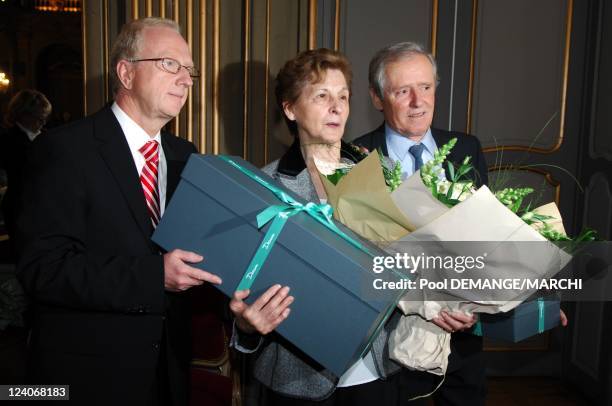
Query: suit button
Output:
(156,346)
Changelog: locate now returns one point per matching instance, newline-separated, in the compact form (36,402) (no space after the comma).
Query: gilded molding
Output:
(472,58)
(176,12)
(312,24)
(215,76)
(202,82)
(162,8)
(245,94)
(546,174)
(434,27)
(267,83)
(337,26)
(189,24)
(84,45)
(135,10)
(105,56)
(566,56)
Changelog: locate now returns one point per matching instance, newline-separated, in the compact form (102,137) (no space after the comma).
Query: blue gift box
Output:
(527,319)
(335,316)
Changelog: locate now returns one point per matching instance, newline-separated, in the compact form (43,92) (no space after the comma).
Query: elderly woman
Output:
(313,91)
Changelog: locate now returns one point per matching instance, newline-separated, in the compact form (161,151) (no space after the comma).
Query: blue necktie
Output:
(416,151)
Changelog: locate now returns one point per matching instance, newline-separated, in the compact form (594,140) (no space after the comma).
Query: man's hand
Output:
(265,314)
(453,322)
(179,276)
(563,318)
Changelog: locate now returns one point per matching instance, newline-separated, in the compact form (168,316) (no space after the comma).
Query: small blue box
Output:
(334,317)
(527,319)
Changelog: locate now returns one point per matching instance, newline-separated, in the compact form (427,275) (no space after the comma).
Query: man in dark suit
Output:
(109,312)
(26,115)
(403,82)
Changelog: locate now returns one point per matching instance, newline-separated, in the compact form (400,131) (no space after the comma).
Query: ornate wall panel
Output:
(278,30)
(285,17)
(365,27)
(95,55)
(601,141)
(586,351)
(598,205)
(519,75)
(230,79)
(586,355)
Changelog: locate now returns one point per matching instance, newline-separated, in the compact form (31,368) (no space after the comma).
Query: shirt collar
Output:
(398,142)
(135,135)
(31,134)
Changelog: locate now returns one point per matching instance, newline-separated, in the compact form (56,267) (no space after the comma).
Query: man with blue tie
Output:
(403,79)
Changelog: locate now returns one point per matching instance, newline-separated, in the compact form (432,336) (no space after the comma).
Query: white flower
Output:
(329,168)
(461,190)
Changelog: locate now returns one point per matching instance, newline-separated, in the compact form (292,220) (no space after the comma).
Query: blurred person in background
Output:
(26,115)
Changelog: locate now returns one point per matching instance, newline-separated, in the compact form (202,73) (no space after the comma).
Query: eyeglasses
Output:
(171,66)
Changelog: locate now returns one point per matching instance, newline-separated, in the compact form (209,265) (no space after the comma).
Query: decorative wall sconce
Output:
(4,82)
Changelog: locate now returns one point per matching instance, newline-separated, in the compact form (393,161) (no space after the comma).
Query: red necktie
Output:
(148,179)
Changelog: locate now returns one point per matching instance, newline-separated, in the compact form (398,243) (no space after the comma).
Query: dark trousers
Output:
(172,388)
(463,385)
(379,392)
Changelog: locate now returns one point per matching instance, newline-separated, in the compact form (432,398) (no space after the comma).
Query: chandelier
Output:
(66,6)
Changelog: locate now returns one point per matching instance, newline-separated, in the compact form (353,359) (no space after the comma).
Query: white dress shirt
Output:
(398,146)
(136,137)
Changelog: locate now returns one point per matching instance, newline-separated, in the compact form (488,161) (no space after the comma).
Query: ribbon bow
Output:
(279,214)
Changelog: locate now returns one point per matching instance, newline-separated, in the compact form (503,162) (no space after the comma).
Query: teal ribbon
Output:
(541,306)
(477,329)
(279,214)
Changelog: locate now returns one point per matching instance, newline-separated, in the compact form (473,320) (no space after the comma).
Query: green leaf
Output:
(464,170)
(336,176)
(434,190)
(451,170)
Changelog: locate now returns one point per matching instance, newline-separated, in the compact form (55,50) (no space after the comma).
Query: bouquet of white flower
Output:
(429,207)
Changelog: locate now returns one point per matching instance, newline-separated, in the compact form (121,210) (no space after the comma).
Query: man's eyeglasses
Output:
(171,66)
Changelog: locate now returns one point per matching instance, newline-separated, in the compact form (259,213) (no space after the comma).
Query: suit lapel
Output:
(114,149)
(442,138)
(174,168)
(379,140)
(458,154)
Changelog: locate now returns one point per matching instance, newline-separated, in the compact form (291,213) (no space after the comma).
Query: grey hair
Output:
(394,53)
(129,41)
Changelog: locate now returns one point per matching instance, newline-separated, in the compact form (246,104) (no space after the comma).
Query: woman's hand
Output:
(265,314)
(453,322)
